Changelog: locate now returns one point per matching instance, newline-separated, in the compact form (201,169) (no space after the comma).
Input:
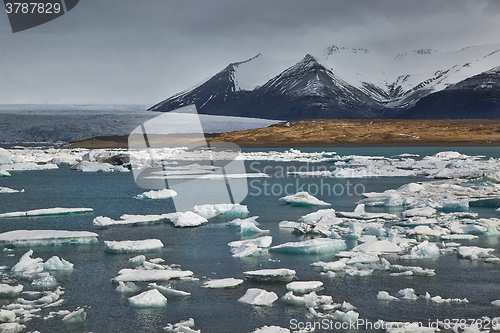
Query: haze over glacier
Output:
(340,82)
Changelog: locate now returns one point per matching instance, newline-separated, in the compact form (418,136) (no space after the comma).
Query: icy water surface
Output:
(204,251)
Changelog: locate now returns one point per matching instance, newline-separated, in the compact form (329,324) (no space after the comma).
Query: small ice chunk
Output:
(47,211)
(312,246)
(291,299)
(303,199)
(304,287)
(7,291)
(45,282)
(9,190)
(496,302)
(136,246)
(473,252)
(408,293)
(12,328)
(255,296)
(288,224)
(186,219)
(271,329)
(279,274)
(135,275)
(316,216)
(248,228)
(148,299)
(423,211)
(156,195)
(208,211)
(334,266)
(77,316)
(353,271)
(128,287)
(238,222)
(222,283)
(7,316)
(384,296)
(28,265)
(18,238)
(57,264)
(382,246)
(248,247)
(422,251)
(137,260)
(167,291)
(185,326)
(86,166)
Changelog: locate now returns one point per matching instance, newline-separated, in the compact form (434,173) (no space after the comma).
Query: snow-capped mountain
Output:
(350,83)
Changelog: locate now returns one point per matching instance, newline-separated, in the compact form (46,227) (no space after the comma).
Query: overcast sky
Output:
(143,51)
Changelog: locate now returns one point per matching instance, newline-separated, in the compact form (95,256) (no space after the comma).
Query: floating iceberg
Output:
(103,221)
(209,211)
(304,287)
(382,246)
(47,211)
(155,195)
(9,190)
(222,283)
(148,299)
(248,228)
(77,316)
(12,328)
(4,173)
(312,246)
(238,222)
(18,238)
(185,326)
(474,252)
(384,296)
(248,247)
(271,329)
(167,291)
(187,219)
(128,287)
(7,291)
(86,166)
(408,293)
(360,214)
(255,296)
(303,199)
(279,274)
(56,264)
(135,246)
(333,266)
(316,216)
(423,250)
(136,275)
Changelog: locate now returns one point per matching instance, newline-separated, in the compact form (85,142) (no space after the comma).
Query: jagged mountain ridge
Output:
(343,83)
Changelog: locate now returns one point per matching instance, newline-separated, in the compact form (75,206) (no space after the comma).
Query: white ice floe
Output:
(249,228)
(168,291)
(9,190)
(186,219)
(10,291)
(318,215)
(423,211)
(312,246)
(12,328)
(77,316)
(238,222)
(185,326)
(408,293)
(360,213)
(335,266)
(47,211)
(222,283)
(208,211)
(271,329)
(86,166)
(103,221)
(137,260)
(148,299)
(255,296)
(380,246)
(415,270)
(248,247)
(137,275)
(133,246)
(354,271)
(57,264)
(18,238)
(270,275)
(474,252)
(156,195)
(424,250)
(423,231)
(4,173)
(304,287)
(303,199)
(128,287)
(384,296)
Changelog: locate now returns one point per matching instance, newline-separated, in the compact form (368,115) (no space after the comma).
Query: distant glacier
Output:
(66,123)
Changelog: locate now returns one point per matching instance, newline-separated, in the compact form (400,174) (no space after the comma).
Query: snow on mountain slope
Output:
(398,81)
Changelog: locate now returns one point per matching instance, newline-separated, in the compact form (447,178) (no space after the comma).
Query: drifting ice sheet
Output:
(47,211)
(18,238)
(255,296)
(209,211)
(279,274)
(312,246)
(155,195)
(135,275)
(304,287)
(222,283)
(136,246)
(303,199)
